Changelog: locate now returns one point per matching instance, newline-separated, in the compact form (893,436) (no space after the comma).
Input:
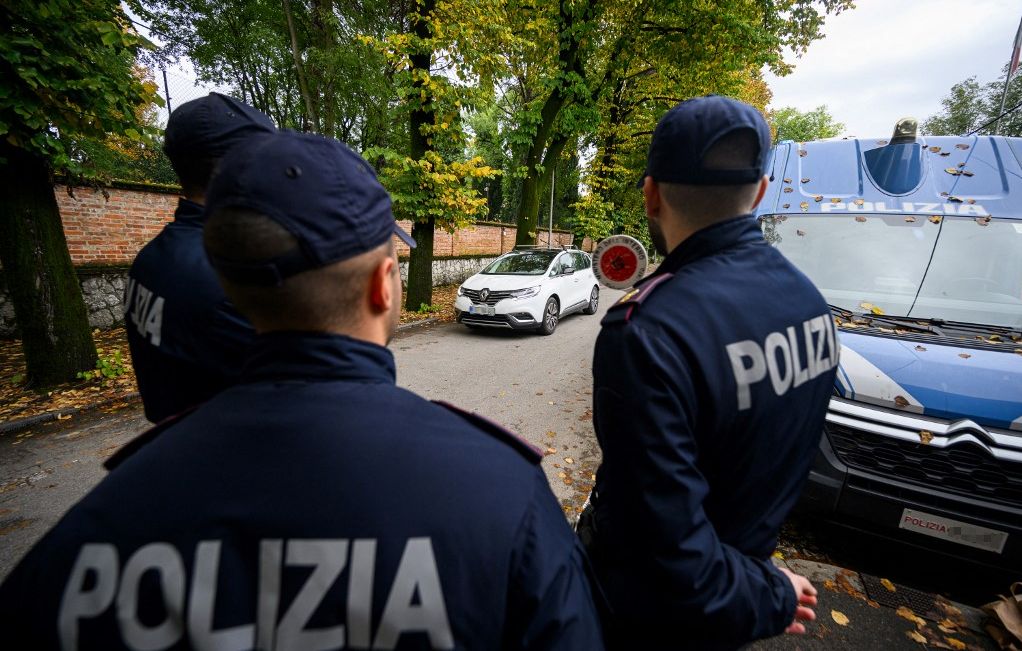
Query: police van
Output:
(916,243)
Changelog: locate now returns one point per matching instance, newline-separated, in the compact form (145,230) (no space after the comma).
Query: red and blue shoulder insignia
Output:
(625,308)
(523,447)
(143,439)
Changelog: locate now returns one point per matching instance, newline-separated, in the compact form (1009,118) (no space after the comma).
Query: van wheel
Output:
(550,317)
(594,302)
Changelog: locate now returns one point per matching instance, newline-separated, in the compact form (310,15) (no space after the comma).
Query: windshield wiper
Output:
(898,322)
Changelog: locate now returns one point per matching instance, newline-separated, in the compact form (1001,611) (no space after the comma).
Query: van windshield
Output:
(531,263)
(950,268)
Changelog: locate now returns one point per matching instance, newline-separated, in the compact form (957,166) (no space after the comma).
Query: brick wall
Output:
(110,230)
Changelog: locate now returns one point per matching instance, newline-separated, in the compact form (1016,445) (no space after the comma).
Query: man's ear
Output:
(381,289)
(763,183)
(651,193)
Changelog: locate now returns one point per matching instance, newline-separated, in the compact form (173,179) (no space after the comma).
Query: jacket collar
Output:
(710,240)
(189,212)
(317,356)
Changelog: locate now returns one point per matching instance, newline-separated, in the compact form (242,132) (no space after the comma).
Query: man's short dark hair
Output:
(311,300)
(736,150)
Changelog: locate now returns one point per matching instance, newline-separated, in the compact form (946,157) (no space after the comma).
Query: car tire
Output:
(551,314)
(594,301)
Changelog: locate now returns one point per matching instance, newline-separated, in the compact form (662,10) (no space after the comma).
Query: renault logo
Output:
(485,294)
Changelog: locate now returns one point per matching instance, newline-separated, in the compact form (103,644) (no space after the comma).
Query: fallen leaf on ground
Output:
(839,617)
(916,637)
(830,585)
(887,584)
(955,643)
(906,613)
(568,460)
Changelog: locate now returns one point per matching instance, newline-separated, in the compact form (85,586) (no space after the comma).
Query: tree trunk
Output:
(568,62)
(420,262)
(42,283)
(420,266)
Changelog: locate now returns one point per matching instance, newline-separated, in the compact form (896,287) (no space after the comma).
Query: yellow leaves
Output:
(839,617)
(936,219)
(888,585)
(901,401)
(869,307)
(915,637)
(906,613)
(925,436)
(956,644)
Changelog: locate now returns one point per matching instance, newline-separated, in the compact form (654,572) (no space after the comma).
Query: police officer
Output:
(711,380)
(314,504)
(187,341)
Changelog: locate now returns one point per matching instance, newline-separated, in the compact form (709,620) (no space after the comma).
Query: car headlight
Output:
(528,292)
(461,290)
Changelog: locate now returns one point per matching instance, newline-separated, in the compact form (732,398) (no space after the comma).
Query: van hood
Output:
(936,380)
(502,281)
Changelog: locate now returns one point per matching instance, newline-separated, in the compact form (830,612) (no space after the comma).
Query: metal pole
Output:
(1004,95)
(166,89)
(550,234)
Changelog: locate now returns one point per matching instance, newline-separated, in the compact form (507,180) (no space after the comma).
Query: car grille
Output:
(966,469)
(493,298)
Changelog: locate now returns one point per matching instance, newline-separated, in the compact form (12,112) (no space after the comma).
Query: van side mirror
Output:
(567,270)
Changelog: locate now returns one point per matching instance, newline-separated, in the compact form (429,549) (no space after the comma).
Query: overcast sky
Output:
(888,59)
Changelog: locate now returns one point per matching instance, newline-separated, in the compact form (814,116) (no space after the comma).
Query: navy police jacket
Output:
(711,382)
(187,341)
(314,505)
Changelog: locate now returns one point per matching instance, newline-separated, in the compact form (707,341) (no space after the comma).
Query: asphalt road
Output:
(537,386)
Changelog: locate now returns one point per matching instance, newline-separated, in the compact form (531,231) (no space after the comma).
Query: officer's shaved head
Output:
(709,203)
(333,298)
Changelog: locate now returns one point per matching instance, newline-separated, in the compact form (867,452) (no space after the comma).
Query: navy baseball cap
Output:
(321,192)
(210,126)
(686,133)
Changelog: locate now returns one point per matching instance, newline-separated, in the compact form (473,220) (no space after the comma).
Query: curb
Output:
(415,324)
(29,421)
(819,572)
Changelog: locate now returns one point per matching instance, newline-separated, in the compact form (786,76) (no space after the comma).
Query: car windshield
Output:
(530,263)
(950,268)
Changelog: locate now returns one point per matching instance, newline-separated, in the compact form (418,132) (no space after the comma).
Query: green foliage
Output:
(791,124)
(107,368)
(425,309)
(70,74)
(970,105)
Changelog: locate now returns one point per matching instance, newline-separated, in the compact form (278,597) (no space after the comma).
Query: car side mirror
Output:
(568,270)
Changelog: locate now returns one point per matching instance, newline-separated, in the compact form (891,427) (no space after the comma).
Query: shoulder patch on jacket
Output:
(523,447)
(143,439)
(623,310)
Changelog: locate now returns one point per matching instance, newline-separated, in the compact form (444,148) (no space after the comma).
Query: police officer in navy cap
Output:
(187,341)
(711,380)
(314,504)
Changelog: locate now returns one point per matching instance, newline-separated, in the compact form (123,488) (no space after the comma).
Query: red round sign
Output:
(618,263)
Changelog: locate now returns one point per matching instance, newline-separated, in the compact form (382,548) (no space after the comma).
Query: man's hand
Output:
(806,594)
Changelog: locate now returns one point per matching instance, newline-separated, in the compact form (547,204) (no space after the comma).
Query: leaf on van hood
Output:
(860,218)
(983,221)
(925,436)
(881,142)
(804,206)
(869,307)
(818,198)
(934,149)
(954,199)
(803,153)
(789,189)
(805,180)
(858,202)
(787,180)
(935,219)
(786,206)
(962,146)
(910,219)
(800,233)
(953,171)
(945,153)
(964,355)
(970,201)
(835,200)
(901,401)
(921,349)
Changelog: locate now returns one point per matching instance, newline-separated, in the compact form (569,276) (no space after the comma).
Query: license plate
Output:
(947,529)
(482,310)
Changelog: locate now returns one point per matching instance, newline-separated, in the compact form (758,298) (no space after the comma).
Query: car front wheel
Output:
(550,317)
(594,301)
